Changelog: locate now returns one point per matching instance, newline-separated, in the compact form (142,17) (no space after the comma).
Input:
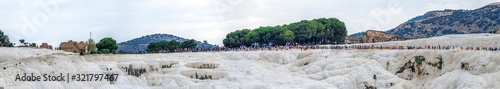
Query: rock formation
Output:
(372,36)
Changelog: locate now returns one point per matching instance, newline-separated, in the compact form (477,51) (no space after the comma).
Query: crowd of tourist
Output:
(346,47)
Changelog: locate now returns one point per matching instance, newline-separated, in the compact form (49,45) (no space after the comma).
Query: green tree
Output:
(285,36)
(325,31)
(93,52)
(170,46)
(163,45)
(4,40)
(153,47)
(122,52)
(191,44)
(173,45)
(91,46)
(265,34)
(304,31)
(251,38)
(105,51)
(107,43)
(21,41)
(494,30)
(33,45)
(236,38)
(340,32)
(277,35)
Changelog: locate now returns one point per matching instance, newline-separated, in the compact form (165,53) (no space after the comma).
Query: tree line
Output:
(316,31)
(109,45)
(171,46)
(27,44)
(105,45)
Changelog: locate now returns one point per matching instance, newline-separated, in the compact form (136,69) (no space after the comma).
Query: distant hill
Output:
(436,23)
(357,35)
(141,43)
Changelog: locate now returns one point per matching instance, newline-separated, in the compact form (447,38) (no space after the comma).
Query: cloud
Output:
(55,21)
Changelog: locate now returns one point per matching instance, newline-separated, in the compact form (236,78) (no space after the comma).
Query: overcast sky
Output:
(54,21)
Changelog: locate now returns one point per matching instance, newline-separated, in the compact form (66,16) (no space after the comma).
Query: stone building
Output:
(46,46)
(372,36)
(74,47)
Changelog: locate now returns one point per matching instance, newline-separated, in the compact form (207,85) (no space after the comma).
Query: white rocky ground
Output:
(312,69)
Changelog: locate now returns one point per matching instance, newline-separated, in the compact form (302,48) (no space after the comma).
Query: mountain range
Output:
(141,43)
(442,22)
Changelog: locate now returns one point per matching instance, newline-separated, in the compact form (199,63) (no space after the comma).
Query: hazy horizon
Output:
(55,21)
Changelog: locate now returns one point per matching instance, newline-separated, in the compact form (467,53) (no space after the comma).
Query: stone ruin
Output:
(372,36)
(46,46)
(73,47)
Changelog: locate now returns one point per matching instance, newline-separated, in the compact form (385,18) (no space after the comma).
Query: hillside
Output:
(288,69)
(141,43)
(357,35)
(437,23)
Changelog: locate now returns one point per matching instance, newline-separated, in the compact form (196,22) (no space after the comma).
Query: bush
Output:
(494,31)
(93,52)
(122,52)
(419,59)
(170,46)
(82,52)
(105,51)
